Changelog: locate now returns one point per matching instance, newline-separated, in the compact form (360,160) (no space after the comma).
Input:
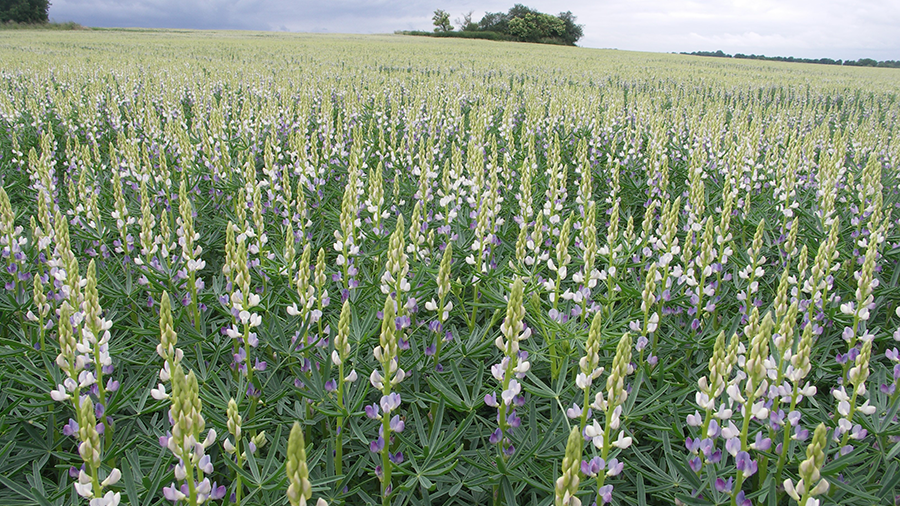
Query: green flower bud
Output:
(567,484)
(299,488)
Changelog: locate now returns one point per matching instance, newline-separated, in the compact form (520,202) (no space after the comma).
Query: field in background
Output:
(442,258)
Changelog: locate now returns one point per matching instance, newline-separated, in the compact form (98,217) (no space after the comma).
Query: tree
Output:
(533,27)
(494,22)
(573,31)
(24,11)
(441,21)
(466,24)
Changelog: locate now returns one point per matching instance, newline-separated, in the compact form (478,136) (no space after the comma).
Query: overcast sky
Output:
(843,29)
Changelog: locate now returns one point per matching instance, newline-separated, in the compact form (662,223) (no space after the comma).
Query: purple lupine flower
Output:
(171,493)
(696,464)
(377,445)
(205,464)
(733,446)
(592,467)
(605,493)
(491,399)
(390,402)
(331,385)
(397,424)
(614,467)
(706,446)
(744,463)
(71,428)
(692,445)
(496,436)
(724,486)
(396,458)
(218,492)
(372,411)
(641,343)
(760,443)
(574,411)
(402,322)
(742,500)
(776,418)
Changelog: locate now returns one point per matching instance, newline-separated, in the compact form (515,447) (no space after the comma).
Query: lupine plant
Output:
(173,225)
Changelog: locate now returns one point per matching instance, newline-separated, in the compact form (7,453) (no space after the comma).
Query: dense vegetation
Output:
(260,268)
(24,11)
(862,62)
(521,24)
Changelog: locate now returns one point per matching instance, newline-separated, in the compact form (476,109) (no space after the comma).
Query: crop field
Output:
(271,269)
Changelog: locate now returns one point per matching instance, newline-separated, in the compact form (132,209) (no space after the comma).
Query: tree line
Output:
(520,23)
(24,11)
(862,62)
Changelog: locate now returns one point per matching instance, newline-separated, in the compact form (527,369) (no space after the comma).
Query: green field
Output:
(454,271)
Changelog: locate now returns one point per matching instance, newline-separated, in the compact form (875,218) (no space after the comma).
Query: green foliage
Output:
(441,21)
(534,27)
(496,36)
(24,11)
(525,24)
(863,62)
(68,25)
(520,129)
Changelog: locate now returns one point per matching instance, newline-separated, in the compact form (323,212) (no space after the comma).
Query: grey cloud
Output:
(803,28)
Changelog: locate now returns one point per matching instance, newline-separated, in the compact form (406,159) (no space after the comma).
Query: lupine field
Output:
(270,269)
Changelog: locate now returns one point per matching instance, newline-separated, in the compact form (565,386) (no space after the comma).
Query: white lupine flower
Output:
(159,393)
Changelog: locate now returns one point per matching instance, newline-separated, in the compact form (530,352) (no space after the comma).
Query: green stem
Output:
(584,408)
(195,309)
(604,452)
(744,429)
(474,305)
(786,439)
(385,450)
(237,480)
(554,359)
(189,478)
(610,292)
(338,435)
(440,337)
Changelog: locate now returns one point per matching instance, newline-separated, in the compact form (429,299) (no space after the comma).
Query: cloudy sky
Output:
(845,29)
